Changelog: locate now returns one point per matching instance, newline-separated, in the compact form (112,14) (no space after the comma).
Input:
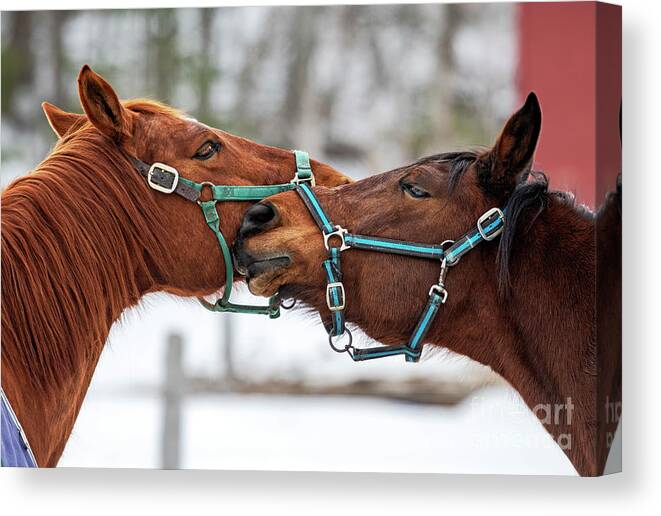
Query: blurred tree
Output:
(443,84)
(17,59)
(250,72)
(302,32)
(367,87)
(59,60)
(206,72)
(162,52)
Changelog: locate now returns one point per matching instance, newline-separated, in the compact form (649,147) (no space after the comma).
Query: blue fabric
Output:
(15,452)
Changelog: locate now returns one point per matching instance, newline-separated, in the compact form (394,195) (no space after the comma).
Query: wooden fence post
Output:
(228,351)
(173,391)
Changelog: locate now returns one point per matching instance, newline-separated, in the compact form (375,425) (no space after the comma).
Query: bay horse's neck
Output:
(552,310)
(545,344)
(77,250)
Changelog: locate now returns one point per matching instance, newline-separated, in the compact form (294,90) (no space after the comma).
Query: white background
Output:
(82,491)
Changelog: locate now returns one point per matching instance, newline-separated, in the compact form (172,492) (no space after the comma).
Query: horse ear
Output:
(59,120)
(513,152)
(102,106)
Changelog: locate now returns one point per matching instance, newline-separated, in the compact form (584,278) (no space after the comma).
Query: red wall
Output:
(570,55)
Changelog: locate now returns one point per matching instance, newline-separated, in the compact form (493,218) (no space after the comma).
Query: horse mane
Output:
(76,243)
(529,198)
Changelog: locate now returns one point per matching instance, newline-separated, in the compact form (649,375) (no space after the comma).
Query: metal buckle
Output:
(339,232)
(485,216)
(297,180)
(329,288)
(440,290)
(163,168)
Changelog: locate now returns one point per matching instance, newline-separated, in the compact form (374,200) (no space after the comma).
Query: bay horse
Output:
(84,238)
(524,304)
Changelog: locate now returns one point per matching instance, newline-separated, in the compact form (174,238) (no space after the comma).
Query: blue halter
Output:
(16,451)
(338,239)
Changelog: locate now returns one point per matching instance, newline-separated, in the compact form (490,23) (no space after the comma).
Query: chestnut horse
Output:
(523,305)
(84,238)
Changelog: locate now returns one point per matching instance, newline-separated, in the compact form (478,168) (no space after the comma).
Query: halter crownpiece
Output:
(337,239)
(166,179)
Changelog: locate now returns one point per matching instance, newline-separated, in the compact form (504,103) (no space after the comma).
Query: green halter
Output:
(166,179)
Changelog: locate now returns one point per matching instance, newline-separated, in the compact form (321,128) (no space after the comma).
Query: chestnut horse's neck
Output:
(78,249)
(543,339)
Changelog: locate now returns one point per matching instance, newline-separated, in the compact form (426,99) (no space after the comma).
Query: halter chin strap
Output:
(337,239)
(166,179)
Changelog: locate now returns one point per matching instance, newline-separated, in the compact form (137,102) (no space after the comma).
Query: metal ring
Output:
(288,307)
(347,347)
(339,232)
(202,185)
(451,243)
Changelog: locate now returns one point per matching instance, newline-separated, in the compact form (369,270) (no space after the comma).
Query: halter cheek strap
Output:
(338,239)
(164,178)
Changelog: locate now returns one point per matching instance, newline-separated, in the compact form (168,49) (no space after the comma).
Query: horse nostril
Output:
(259,216)
(262,213)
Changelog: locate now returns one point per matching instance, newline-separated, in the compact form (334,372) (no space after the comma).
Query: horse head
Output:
(429,201)
(153,132)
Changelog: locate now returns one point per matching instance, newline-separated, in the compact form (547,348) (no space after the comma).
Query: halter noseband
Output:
(338,239)
(166,179)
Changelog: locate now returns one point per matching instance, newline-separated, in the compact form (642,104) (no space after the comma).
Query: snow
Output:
(120,423)
(292,347)
(261,432)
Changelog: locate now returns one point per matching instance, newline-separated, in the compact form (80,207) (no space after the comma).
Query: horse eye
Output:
(414,191)
(207,150)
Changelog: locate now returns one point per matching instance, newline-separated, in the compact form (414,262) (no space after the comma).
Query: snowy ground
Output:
(120,423)
(328,434)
